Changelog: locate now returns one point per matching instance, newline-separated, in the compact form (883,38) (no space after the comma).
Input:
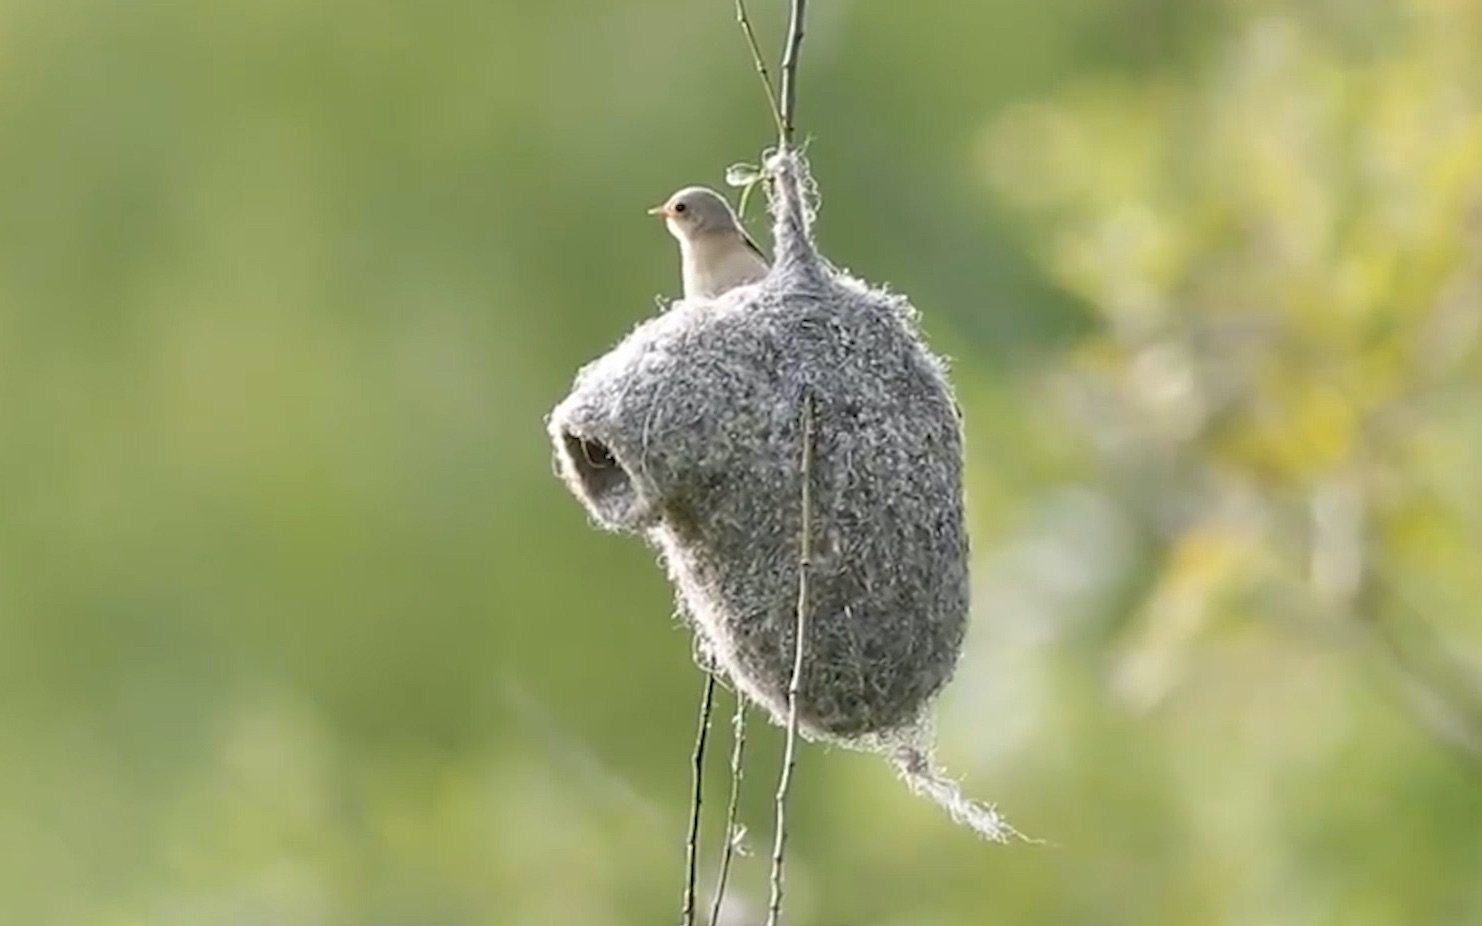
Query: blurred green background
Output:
(297,627)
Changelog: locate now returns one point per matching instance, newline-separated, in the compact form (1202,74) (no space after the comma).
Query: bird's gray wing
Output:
(754,248)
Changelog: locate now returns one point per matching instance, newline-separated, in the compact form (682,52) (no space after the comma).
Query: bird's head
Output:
(696,210)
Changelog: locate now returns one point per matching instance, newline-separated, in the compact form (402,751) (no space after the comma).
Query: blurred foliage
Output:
(296,627)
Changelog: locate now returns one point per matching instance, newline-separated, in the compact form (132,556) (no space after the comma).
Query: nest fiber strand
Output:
(689,432)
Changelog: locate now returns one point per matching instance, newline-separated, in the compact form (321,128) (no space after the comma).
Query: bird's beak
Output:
(659,210)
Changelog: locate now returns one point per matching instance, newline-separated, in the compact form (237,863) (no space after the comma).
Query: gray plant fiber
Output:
(689,432)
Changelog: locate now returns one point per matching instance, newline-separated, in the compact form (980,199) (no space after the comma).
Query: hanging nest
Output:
(690,432)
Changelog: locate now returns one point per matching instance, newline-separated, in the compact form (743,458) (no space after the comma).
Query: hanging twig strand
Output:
(790,72)
(691,856)
(789,753)
(738,752)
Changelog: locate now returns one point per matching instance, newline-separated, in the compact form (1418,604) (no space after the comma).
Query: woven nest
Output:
(690,432)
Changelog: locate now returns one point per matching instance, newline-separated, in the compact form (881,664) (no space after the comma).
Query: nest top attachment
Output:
(689,431)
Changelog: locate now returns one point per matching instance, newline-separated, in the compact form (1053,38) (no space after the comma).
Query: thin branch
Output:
(738,749)
(784,108)
(789,754)
(761,65)
(691,858)
(790,71)
(1442,700)
(1446,704)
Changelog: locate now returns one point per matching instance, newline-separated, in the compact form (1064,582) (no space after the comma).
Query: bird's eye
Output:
(680,207)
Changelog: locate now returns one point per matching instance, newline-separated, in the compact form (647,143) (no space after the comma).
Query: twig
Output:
(691,857)
(789,756)
(738,749)
(790,71)
(783,108)
(761,65)
(1446,704)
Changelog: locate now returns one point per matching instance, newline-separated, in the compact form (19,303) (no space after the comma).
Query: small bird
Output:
(716,254)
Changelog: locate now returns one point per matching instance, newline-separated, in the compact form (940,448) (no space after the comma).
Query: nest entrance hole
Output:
(601,475)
